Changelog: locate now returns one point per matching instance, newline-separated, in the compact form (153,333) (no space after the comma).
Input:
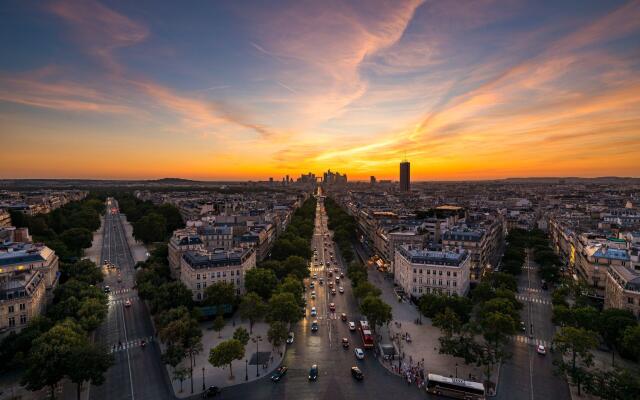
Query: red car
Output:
(332,306)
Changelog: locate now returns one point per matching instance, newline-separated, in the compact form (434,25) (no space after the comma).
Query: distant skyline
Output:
(466,90)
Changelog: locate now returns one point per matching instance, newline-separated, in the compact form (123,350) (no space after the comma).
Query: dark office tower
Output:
(405,176)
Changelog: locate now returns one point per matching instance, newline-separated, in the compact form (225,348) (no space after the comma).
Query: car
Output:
(313,372)
(315,276)
(333,292)
(327,263)
(279,373)
(352,326)
(541,350)
(341,289)
(337,280)
(314,312)
(341,274)
(290,337)
(343,316)
(331,284)
(523,327)
(356,373)
(332,306)
(107,289)
(312,285)
(314,326)
(313,294)
(211,392)
(127,303)
(345,342)
(359,353)
(330,274)
(321,280)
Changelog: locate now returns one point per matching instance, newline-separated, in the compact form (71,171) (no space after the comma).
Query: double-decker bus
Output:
(367,336)
(454,387)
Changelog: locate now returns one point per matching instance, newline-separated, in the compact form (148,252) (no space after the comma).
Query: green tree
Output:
(77,239)
(262,281)
(170,295)
(252,308)
(495,328)
(612,324)
(83,270)
(150,228)
(296,265)
(91,313)
(448,321)
(577,343)
(364,289)
(50,356)
(242,335)
(220,294)
(180,374)
(292,285)
(377,311)
(218,324)
(88,363)
(283,307)
(630,343)
(277,334)
(224,354)
(185,334)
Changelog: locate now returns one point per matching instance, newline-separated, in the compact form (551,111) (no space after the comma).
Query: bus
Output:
(367,336)
(454,387)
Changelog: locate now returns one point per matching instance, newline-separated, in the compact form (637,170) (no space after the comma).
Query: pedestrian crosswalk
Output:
(521,297)
(116,347)
(531,341)
(523,289)
(120,291)
(122,301)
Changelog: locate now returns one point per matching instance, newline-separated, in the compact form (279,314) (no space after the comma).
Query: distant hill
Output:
(174,181)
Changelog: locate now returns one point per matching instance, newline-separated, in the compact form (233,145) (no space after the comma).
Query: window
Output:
(428,272)
(23,319)
(420,270)
(238,281)
(630,300)
(199,296)
(12,321)
(11,309)
(204,285)
(224,273)
(218,274)
(233,272)
(198,276)
(439,282)
(455,274)
(448,283)
(414,280)
(420,280)
(198,285)
(440,273)
(22,307)
(455,283)
(420,290)
(448,273)
(414,270)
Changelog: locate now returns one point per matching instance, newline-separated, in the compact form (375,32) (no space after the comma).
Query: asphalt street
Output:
(529,375)
(324,347)
(138,372)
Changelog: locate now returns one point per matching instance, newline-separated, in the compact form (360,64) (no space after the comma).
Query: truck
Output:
(365,333)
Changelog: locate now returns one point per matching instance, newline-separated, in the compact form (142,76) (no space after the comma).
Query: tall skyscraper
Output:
(405,176)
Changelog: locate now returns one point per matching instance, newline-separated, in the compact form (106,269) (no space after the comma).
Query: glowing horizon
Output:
(227,91)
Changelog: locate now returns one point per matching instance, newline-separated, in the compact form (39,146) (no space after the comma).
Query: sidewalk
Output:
(424,344)
(242,369)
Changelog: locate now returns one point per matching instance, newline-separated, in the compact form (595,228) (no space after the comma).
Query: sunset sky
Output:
(250,90)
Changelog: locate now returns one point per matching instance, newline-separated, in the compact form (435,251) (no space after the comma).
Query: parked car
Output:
(290,337)
(107,289)
(523,327)
(313,372)
(211,391)
(359,353)
(279,373)
(356,373)
(352,326)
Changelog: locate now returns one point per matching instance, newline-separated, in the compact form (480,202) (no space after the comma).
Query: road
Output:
(529,375)
(324,347)
(138,372)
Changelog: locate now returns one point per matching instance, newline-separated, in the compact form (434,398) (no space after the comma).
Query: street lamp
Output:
(246,369)
(456,370)
(203,379)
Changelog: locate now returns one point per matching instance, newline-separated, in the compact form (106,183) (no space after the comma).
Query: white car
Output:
(315,276)
(341,289)
(290,338)
(352,326)
(313,294)
(313,312)
(541,350)
(359,353)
